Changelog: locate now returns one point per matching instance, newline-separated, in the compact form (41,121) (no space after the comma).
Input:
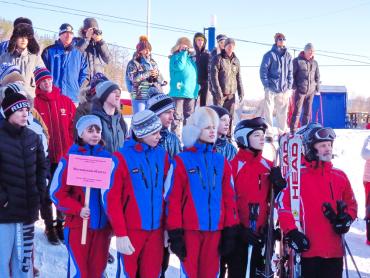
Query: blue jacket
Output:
(183,75)
(224,147)
(4,47)
(276,71)
(135,199)
(70,199)
(67,66)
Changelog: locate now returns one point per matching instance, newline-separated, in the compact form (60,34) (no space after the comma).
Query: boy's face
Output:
(22,42)
(257,140)
(224,125)
(152,139)
(19,117)
(208,134)
(91,135)
(46,85)
(114,98)
(167,118)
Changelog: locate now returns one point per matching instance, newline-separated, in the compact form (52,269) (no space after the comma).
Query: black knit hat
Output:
(220,110)
(14,102)
(90,22)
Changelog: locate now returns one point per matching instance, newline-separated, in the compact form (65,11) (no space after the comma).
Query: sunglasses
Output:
(281,39)
(325,134)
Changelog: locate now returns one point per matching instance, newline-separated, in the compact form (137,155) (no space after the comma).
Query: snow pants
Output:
(89,260)
(147,258)
(318,267)
(202,257)
(16,250)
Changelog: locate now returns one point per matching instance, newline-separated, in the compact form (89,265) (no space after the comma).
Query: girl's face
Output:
(257,140)
(152,139)
(91,135)
(224,125)
(208,134)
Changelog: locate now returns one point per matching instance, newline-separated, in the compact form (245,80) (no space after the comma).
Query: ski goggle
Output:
(325,133)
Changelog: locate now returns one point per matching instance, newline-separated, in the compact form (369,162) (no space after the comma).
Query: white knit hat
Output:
(201,118)
(144,123)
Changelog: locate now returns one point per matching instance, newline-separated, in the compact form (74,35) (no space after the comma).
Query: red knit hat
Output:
(40,74)
(143,44)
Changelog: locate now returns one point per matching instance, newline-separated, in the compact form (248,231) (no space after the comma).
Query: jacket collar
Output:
(201,147)
(48,96)
(86,149)
(224,55)
(12,129)
(221,141)
(137,146)
(319,165)
(248,156)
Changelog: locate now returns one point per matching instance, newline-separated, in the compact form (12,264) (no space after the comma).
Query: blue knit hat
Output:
(86,121)
(144,123)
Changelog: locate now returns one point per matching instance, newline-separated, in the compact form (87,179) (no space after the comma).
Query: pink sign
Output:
(89,171)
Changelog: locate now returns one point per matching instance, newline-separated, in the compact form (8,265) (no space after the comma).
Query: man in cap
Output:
(220,45)
(306,82)
(68,66)
(92,44)
(276,73)
(226,78)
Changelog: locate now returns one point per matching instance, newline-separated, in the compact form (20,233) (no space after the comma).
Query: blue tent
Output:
(330,107)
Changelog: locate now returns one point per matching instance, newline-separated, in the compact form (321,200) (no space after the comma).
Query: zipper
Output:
(331,191)
(259,182)
(143,176)
(183,205)
(201,177)
(156,175)
(214,178)
(209,194)
(151,187)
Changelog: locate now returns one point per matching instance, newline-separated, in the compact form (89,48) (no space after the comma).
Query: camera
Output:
(98,32)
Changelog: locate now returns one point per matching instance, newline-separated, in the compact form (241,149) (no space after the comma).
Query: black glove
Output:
(250,237)
(342,223)
(277,180)
(298,241)
(177,243)
(228,240)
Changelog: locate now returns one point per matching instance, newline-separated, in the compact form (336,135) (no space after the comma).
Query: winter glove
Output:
(298,241)
(228,240)
(177,243)
(342,224)
(277,180)
(124,245)
(250,237)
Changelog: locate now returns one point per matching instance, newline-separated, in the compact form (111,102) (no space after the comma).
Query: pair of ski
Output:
(289,157)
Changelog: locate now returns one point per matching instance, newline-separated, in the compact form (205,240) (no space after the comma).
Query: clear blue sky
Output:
(339,26)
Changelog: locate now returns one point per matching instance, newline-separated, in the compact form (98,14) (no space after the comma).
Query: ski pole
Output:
(253,215)
(345,256)
(352,258)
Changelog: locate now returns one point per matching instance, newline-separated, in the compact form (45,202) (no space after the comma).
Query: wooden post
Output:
(85,221)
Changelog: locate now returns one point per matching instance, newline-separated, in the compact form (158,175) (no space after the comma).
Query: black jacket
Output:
(22,174)
(202,59)
(306,75)
(225,76)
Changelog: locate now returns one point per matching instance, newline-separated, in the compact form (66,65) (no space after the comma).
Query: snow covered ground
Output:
(52,260)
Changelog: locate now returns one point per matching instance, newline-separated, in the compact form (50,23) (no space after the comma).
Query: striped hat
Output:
(145,123)
(40,74)
(159,102)
(8,68)
(13,103)
(15,87)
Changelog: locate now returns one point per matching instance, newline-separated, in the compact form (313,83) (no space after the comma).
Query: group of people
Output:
(182,189)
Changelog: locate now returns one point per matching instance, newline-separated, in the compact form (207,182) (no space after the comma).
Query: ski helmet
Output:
(245,128)
(312,134)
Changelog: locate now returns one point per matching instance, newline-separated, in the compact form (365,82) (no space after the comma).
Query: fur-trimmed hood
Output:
(24,30)
(201,118)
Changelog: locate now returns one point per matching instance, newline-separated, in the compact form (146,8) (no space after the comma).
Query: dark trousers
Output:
(46,208)
(203,94)
(302,103)
(236,264)
(318,267)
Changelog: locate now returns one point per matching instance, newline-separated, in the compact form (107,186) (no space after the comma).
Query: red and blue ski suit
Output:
(320,183)
(135,206)
(89,260)
(201,200)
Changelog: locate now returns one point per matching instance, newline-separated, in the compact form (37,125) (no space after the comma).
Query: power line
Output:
(329,65)
(140,23)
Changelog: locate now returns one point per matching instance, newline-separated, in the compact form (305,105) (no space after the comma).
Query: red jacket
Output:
(318,185)
(252,185)
(199,191)
(58,112)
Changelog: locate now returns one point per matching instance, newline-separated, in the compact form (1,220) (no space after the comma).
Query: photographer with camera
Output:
(92,44)
(142,73)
